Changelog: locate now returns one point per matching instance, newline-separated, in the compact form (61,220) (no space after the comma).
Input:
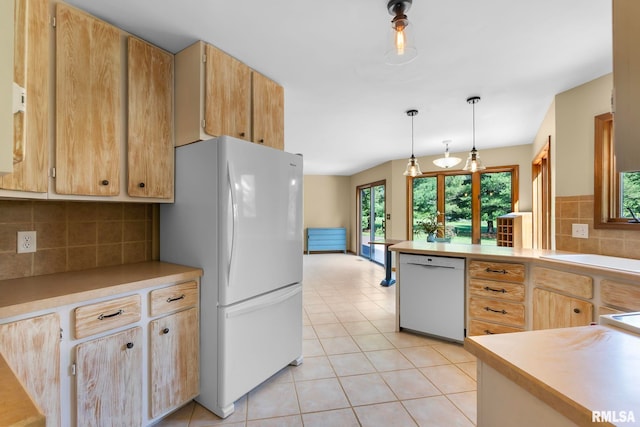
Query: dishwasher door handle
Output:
(431,266)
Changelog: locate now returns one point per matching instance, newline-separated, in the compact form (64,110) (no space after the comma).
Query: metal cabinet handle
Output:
(504,291)
(576,310)
(241,133)
(495,311)
(141,185)
(489,270)
(165,331)
(175,299)
(261,141)
(488,332)
(107,316)
(129,345)
(104,182)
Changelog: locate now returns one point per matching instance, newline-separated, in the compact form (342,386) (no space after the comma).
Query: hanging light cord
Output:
(412,136)
(473,126)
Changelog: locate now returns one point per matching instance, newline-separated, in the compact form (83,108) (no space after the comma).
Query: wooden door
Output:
(174,360)
(150,123)
(227,95)
(268,112)
(553,310)
(109,380)
(31,347)
(31,71)
(88,104)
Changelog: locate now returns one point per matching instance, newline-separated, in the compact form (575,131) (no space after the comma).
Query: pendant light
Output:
(402,49)
(413,168)
(447,162)
(473,161)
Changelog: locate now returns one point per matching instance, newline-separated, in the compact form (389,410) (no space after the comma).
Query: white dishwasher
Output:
(432,295)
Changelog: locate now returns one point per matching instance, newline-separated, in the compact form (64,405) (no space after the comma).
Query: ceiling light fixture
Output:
(473,161)
(413,168)
(446,162)
(402,49)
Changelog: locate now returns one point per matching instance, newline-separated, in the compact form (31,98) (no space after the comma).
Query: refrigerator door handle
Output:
(232,218)
(244,309)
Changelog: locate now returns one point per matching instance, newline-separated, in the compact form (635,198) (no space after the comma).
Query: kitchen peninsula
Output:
(547,374)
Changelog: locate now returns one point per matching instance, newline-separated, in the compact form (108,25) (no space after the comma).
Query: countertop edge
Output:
(547,394)
(107,281)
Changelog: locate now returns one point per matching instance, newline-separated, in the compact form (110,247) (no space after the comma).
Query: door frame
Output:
(541,185)
(359,189)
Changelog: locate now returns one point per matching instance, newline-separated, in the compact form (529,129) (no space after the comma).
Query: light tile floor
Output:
(357,370)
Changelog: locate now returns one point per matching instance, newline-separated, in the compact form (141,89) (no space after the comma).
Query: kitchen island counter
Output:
(572,371)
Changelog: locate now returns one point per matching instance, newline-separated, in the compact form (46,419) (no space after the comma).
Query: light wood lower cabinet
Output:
(109,380)
(553,310)
(174,360)
(31,348)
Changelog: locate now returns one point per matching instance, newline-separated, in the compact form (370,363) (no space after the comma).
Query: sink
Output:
(628,321)
(614,263)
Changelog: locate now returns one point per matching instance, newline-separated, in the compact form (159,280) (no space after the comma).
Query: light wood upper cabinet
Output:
(218,95)
(227,95)
(109,380)
(150,121)
(268,112)
(626,83)
(31,71)
(88,104)
(31,348)
(6,86)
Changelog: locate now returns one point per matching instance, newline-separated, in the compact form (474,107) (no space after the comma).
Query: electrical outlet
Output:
(26,242)
(581,231)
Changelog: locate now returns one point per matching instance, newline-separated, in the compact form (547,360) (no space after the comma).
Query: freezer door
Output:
(260,220)
(258,337)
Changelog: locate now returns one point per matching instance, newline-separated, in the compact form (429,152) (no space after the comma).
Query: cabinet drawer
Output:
(173,298)
(620,295)
(501,290)
(478,327)
(502,271)
(563,281)
(95,318)
(498,311)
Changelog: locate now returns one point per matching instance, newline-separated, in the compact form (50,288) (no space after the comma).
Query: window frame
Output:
(475,195)
(606,185)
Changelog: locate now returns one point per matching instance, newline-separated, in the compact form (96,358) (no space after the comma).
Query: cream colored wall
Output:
(575,110)
(326,202)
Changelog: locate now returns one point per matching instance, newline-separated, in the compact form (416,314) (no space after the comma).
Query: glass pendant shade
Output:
(473,163)
(446,162)
(401,49)
(413,168)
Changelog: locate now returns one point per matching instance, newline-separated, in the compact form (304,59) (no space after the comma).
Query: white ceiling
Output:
(345,108)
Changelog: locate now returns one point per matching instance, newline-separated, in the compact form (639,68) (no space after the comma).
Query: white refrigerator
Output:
(238,215)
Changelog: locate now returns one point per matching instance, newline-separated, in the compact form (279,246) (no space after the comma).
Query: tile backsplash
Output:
(75,235)
(579,210)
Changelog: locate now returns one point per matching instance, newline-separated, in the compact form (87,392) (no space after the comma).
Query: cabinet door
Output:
(150,123)
(174,360)
(31,347)
(88,104)
(268,112)
(552,310)
(109,380)
(227,95)
(31,71)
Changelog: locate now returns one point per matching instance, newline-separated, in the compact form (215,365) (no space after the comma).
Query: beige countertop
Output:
(506,254)
(573,370)
(30,294)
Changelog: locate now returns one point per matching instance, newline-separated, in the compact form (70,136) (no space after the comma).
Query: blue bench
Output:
(327,239)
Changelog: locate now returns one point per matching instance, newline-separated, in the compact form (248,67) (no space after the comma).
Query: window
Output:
(467,205)
(616,194)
